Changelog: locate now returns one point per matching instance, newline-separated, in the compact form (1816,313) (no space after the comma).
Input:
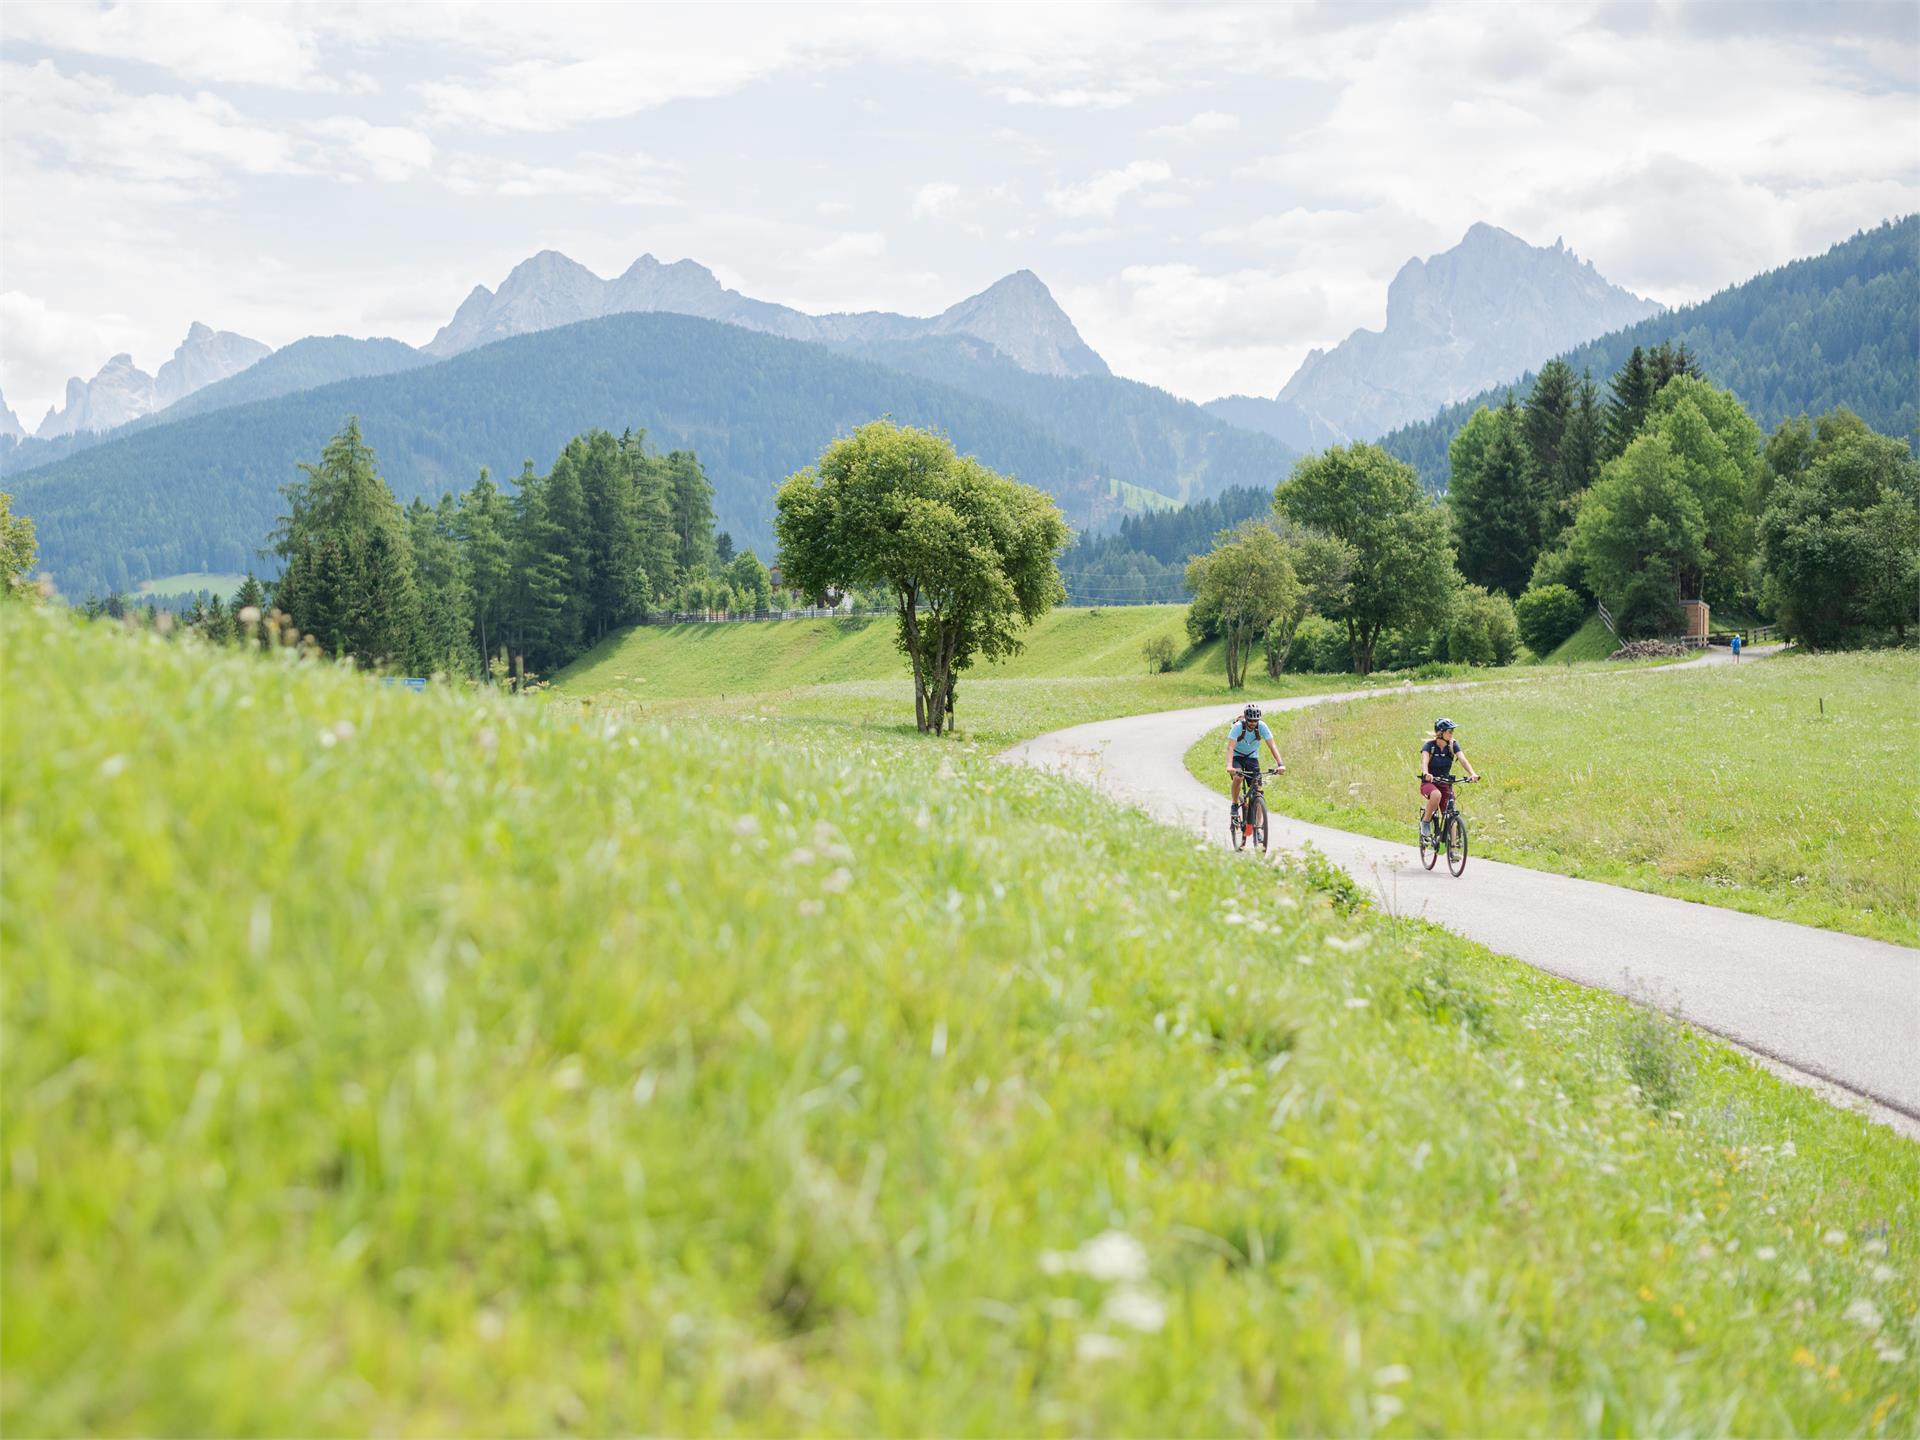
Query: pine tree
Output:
(1496,516)
(1581,447)
(217,625)
(348,577)
(616,579)
(1544,421)
(251,594)
(1632,392)
(692,512)
(723,548)
(446,593)
(651,486)
(484,523)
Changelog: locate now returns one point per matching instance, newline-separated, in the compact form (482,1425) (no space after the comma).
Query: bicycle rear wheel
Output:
(1429,847)
(1260,825)
(1456,844)
(1237,829)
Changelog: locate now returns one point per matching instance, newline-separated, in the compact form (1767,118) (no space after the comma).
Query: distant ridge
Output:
(1016,315)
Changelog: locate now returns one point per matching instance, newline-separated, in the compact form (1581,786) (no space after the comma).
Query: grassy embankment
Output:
(1786,787)
(1592,641)
(377,1061)
(1078,665)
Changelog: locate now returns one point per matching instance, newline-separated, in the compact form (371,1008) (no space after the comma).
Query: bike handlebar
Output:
(1449,779)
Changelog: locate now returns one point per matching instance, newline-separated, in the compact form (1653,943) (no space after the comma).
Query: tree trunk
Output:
(1360,641)
(909,611)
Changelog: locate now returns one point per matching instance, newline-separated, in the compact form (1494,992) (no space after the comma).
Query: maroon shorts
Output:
(1442,788)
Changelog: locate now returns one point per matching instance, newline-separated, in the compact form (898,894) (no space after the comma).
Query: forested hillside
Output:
(1140,432)
(1145,560)
(203,493)
(1841,328)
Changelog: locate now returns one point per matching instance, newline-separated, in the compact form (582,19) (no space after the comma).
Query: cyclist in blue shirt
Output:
(1244,738)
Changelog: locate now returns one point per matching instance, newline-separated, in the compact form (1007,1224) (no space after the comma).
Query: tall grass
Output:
(381,1062)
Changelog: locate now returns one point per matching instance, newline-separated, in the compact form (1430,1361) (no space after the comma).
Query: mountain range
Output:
(1476,315)
(121,391)
(1016,315)
(556,350)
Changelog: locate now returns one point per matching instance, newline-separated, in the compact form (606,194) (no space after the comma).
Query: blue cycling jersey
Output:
(1245,741)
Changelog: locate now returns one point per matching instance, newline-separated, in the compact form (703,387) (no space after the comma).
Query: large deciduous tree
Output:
(1402,571)
(1639,533)
(1246,592)
(1841,534)
(967,555)
(348,576)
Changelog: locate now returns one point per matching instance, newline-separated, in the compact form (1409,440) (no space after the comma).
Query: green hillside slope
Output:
(202,493)
(446,1064)
(672,662)
(1841,328)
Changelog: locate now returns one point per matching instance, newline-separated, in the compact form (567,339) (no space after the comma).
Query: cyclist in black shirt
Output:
(1436,770)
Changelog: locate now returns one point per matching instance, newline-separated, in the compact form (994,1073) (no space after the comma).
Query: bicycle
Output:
(1253,809)
(1449,830)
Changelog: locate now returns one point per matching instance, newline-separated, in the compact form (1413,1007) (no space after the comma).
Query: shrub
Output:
(1158,651)
(1547,615)
(1560,567)
(1319,648)
(1481,629)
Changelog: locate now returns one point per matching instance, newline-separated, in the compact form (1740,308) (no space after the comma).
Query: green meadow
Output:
(1786,786)
(447,1063)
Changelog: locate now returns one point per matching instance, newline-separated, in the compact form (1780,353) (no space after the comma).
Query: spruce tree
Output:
(1496,517)
(651,487)
(252,594)
(484,524)
(616,579)
(1581,447)
(1544,421)
(446,593)
(348,577)
(1632,392)
(692,512)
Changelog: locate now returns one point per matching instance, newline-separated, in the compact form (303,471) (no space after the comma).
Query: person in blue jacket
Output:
(1244,739)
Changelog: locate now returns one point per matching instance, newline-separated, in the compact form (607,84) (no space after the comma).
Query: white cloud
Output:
(1207,122)
(935,199)
(861,245)
(618,179)
(1102,195)
(244,44)
(1071,98)
(390,152)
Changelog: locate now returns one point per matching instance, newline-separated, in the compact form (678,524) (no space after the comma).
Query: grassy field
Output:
(1786,786)
(192,583)
(382,1062)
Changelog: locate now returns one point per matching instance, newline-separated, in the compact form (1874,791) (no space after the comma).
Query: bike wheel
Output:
(1429,848)
(1456,844)
(1260,826)
(1237,829)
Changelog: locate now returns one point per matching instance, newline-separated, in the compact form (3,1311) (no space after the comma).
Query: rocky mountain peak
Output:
(10,425)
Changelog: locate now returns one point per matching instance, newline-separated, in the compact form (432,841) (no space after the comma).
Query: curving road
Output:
(1832,1007)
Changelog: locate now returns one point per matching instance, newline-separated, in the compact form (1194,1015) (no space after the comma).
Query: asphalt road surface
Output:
(1837,1008)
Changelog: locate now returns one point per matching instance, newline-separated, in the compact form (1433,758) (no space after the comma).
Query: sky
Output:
(1209,191)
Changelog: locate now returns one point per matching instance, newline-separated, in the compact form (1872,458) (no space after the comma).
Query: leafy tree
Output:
(1718,448)
(1480,628)
(1547,615)
(1244,591)
(1402,565)
(967,554)
(1493,497)
(348,565)
(17,548)
(1640,531)
(750,581)
(1841,536)
(1631,393)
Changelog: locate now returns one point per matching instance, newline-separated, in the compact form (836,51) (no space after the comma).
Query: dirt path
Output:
(1837,1008)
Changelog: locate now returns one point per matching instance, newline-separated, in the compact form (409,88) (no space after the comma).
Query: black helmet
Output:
(1252,712)
(1444,724)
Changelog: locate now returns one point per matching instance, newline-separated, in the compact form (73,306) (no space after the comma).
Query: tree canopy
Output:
(1245,591)
(967,554)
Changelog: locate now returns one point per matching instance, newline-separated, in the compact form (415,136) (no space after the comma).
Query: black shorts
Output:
(1247,764)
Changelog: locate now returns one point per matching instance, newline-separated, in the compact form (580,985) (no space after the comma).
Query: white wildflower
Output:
(1787,1150)
(1882,1274)
(1095,1346)
(746,825)
(112,766)
(801,856)
(1357,1002)
(837,881)
(1765,1252)
(1391,1375)
(1136,1309)
(328,739)
(1834,1237)
(1863,1313)
(644,1084)
(1347,943)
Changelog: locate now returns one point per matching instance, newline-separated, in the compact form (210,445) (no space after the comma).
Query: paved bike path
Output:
(1839,1007)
